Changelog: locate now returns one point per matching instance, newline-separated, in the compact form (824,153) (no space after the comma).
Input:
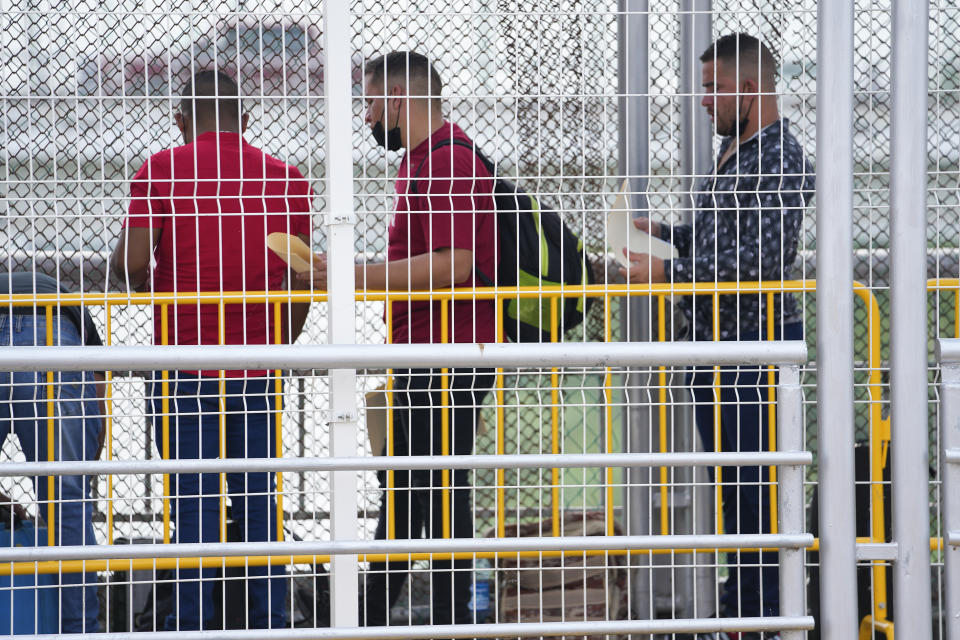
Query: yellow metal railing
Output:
(50,301)
(879,430)
(879,621)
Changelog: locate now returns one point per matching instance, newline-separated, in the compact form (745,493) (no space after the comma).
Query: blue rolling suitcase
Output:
(29,605)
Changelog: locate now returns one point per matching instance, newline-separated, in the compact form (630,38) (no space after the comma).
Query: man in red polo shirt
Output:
(203,211)
(442,233)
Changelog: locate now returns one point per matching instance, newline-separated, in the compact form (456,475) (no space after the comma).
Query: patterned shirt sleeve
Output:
(714,267)
(679,235)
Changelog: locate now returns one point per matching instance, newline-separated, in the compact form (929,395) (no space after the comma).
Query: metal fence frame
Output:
(910,546)
(791,540)
(948,356)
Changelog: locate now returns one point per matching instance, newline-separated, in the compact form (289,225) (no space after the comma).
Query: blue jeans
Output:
(23,410)
(752,588)
(194,428)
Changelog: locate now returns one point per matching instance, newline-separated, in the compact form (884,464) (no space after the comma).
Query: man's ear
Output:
(185,126)
(244,119)
(750,87)
(395,96)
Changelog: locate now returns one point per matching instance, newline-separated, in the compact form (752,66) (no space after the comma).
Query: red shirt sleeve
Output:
(148,206)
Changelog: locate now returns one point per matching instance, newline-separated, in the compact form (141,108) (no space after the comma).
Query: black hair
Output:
(224,100)
(401,65)
(743,51)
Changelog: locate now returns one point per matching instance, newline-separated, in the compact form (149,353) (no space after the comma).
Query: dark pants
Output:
(194,427)
(417,430)
(750,590)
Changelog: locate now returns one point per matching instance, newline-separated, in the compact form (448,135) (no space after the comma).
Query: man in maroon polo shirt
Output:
(441,234)
(203,211)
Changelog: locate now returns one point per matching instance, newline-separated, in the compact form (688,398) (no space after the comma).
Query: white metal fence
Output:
(569,98)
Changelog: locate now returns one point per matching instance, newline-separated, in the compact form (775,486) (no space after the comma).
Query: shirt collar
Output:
(446,130)
(757,134)
(774,127)
(224,135)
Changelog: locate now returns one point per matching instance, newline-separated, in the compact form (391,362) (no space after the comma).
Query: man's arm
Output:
(440,269)
(762,242)
(679,235)
(130,261)
(758,241)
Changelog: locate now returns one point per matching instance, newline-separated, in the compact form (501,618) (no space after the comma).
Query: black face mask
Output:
(389,139)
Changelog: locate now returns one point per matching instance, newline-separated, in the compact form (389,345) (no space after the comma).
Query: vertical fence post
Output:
(696,132)
(341,313)
(633,128)
(791,503)
(696,158)
(908,317)
(835,424)
(950,437)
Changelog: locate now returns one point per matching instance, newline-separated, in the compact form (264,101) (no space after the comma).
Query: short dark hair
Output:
(744,51)
(224,100)
(403,65)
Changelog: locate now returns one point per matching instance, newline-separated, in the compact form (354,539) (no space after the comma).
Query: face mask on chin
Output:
(389,139)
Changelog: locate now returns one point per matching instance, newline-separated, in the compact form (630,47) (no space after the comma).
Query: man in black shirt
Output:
(77,430)
(746,227)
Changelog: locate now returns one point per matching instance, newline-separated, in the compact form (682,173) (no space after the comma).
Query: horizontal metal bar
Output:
(377,463)
(355,547)
(466,293)
(948,350)
(154,564)
(490,630)
(94,264)
(874,263)
(877,551)
(951,455)
(953,538)
(363,356)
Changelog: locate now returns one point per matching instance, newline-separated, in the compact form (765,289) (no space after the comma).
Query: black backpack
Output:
(536,250)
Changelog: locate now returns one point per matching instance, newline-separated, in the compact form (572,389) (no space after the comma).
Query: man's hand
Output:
(644,268)
(18,510)
(648,226)
(316,278)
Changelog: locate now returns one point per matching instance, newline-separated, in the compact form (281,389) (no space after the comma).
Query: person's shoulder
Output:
(162,162)
(275,165)
(459,156)
(778,151)
(786,133)
(275,169)
(165,157)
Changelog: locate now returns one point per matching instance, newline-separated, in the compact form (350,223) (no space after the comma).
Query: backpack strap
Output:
(490,167)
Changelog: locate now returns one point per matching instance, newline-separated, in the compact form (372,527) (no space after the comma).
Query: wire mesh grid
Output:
(534,84)
(550,120)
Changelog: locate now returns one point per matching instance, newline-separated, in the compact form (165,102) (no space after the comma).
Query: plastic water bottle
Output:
(480,591)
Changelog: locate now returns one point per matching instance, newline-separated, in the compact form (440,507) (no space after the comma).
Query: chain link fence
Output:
(90,91)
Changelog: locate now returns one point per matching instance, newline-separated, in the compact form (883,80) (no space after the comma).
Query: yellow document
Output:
(291,250)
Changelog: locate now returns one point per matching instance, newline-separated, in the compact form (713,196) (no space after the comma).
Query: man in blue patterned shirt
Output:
(746,227)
